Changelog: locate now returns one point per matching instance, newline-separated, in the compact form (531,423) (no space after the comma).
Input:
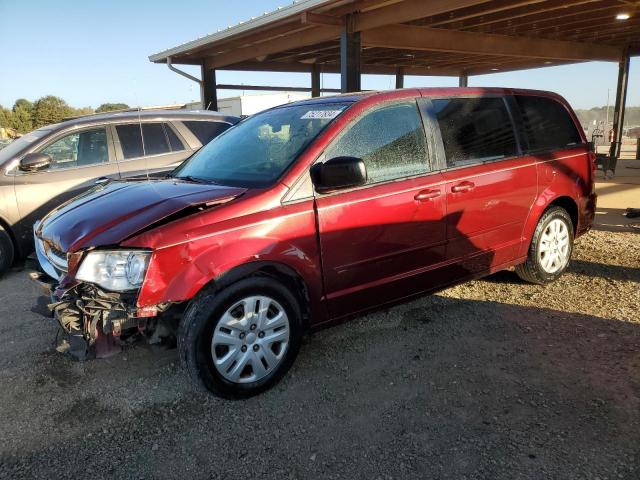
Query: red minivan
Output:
(315,211)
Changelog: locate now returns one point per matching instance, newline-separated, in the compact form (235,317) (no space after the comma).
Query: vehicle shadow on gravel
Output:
(436,388)
(581,267)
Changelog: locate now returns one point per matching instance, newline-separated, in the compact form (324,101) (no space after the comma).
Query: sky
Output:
(91,52)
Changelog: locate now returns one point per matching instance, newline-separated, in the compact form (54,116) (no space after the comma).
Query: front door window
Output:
(390,141)
(79,149)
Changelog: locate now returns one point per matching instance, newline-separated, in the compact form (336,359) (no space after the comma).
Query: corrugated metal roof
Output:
(266,18)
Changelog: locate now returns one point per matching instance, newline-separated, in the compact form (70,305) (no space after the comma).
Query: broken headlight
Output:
(114,270)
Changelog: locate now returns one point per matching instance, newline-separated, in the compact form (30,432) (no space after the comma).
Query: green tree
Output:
(24,104)
(21,120)
(79,112)
(6,117)
(50,109)
(110,107)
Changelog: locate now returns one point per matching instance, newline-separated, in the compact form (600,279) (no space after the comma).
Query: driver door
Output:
(79,159)
(385,240)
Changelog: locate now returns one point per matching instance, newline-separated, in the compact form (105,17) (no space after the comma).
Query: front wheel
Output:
(241,340)
(550,250)
(6,251)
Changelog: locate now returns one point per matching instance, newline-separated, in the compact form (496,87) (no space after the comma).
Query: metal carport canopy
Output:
(417,37)
(421,37)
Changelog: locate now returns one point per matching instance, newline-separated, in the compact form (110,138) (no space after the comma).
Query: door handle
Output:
(424,195)
(102,180)
(463,187)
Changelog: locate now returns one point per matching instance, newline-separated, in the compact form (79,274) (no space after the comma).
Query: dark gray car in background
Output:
(48,166)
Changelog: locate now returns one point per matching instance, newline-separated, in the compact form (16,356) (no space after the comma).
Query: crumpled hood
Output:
(108,215)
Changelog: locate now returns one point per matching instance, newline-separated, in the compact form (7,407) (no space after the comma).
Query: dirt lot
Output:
(495,379)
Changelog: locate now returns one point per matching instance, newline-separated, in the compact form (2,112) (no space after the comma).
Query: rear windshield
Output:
(547,124)
(258,150)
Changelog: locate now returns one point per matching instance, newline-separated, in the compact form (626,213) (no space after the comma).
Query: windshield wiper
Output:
(191,178)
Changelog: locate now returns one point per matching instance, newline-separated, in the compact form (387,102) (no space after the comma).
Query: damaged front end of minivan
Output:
(92,282)
(98,323)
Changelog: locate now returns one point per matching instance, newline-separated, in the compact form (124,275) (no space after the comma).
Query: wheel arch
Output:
(281,272)
(539,208)
(569,205)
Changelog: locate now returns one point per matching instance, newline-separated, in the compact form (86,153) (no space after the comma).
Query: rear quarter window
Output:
(206,131)
(547,124)
(474,130)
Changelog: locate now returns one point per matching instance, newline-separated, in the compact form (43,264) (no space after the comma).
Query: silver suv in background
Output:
(53,164)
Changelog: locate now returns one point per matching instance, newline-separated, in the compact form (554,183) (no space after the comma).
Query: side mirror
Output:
(338,173)
(34,162)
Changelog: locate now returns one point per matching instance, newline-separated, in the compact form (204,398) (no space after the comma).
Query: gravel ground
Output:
(493,379)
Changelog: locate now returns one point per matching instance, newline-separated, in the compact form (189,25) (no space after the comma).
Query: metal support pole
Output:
(350,61)
(463,81)
(618,114)
(399,78)
(315,80)
(209,89)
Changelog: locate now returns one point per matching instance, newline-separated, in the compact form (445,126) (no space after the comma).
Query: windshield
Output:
(257,151)
(19,144)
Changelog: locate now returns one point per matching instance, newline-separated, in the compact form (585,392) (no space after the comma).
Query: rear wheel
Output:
(6,251)
(551,248)
(241,340)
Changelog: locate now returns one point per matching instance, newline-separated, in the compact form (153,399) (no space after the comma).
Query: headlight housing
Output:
(115,270)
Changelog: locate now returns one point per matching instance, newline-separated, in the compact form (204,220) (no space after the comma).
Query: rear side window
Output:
(174,141)
(390,141)
(130,140)
(475,129)
(206,131)
(547,124)
(156,141)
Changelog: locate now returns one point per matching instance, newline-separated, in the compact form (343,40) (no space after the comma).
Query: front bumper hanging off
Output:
(94,322)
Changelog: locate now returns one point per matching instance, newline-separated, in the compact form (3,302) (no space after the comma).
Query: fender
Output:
(284,237)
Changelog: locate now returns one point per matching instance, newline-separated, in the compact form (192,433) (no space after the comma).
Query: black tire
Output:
(6,251)
(532,270)
(203,315)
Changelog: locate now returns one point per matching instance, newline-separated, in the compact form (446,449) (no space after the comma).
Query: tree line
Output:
(25,116)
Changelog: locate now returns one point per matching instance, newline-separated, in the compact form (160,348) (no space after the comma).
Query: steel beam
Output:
(265,88)
(350,59)
(209,93)
(399,78)
(315,80)
(618,114)
(412,37)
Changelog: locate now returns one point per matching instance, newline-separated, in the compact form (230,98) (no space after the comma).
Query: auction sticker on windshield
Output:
(321,114)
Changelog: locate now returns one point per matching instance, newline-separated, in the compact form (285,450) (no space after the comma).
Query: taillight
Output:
(594,167)
(592,160)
